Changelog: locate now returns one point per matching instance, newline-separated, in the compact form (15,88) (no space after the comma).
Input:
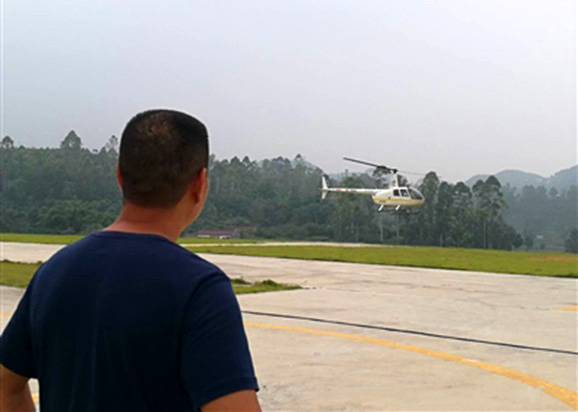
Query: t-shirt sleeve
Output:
(15,343)
(215,356)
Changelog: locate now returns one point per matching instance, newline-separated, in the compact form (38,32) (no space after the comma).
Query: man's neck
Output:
(135,219)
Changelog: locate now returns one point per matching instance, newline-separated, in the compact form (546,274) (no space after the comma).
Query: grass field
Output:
(19,274)
(16,274)
(531,263)
(67,239)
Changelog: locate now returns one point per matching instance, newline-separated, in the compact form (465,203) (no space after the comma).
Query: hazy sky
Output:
(457,86)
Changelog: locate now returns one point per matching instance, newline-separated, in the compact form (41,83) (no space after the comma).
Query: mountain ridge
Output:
(561,180)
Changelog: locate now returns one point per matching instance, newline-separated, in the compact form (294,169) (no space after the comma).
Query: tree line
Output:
(72,190)
(65,190)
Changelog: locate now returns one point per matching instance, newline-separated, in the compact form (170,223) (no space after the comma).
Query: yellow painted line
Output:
(36,397)
(570,308)
(562,394)
(5,314)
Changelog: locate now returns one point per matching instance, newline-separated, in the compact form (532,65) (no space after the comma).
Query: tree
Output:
(489,203)
(7,143)
(352,218)
(571,244)
(402,180)
(112,144)
(429,188)
(517,241)
(443,214)
(71,141)
(461,216)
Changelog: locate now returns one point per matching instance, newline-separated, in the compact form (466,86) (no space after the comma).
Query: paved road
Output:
(368,337)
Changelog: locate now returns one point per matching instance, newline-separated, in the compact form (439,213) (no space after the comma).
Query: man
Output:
(125,319)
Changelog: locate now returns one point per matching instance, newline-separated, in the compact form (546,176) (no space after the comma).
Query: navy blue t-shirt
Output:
(128,322)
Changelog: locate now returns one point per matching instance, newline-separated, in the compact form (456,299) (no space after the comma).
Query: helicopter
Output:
(393,198)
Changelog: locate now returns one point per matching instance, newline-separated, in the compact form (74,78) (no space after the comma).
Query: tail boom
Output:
(326,189)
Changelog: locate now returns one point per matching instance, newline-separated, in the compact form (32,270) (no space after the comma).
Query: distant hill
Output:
(561,180)
(564,178)
(515,178)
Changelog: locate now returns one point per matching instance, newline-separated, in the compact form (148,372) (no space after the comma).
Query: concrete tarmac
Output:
(373,338)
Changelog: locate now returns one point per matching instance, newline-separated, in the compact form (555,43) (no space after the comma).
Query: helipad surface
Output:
(368,337)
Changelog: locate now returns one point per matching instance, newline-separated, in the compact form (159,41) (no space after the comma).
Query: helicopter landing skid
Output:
(396,210)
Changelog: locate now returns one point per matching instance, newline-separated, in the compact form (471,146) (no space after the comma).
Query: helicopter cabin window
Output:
(415,194)
(396,192)
(404,193)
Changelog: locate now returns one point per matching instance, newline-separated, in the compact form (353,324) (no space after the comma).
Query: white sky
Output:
(457,86)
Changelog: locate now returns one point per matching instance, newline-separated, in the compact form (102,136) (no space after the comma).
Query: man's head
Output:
(161,154)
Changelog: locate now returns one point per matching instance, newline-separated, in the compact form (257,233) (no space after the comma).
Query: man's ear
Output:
(200,186)
(118,177)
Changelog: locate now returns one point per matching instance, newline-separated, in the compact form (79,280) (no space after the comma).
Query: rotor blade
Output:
(411,173)
(405,172)
(365,163)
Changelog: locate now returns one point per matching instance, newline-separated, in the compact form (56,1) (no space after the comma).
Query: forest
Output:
(72,190)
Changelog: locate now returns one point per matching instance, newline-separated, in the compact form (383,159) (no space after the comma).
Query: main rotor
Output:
(381,168)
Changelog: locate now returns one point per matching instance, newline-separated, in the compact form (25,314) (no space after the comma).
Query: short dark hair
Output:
(161,151)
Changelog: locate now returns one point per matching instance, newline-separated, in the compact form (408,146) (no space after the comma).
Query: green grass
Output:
(19,274)
(67,239)
(201,240)
(16,274)
(534,263)
(44,239)
(240,286)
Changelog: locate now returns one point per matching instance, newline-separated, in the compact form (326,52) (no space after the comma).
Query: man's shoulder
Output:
(143,250)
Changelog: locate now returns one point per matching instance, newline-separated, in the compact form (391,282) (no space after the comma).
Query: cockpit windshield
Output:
(415,194)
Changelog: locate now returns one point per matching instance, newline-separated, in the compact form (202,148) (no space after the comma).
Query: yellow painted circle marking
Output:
(562,394)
